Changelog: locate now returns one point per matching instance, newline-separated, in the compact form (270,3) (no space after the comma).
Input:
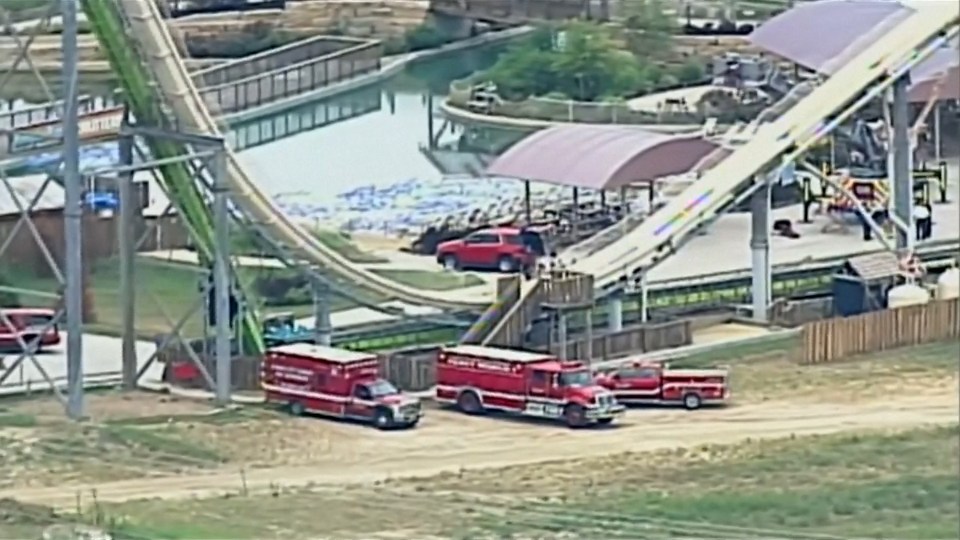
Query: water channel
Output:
(362,140)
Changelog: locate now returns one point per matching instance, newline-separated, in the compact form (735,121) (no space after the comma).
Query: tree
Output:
(650,29)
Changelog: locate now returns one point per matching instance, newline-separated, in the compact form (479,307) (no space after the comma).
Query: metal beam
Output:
(72,212)
(193,139)
(221,275)
(126,238)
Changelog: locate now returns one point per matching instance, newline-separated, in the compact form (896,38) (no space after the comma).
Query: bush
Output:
(425,36)
(7,298)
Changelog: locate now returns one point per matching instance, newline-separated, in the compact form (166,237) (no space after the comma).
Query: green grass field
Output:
(171,289)
(891,485)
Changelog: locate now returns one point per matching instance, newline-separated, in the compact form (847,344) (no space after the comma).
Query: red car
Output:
(27,323)
(505,249)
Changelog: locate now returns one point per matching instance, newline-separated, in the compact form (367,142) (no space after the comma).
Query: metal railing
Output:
(293,79)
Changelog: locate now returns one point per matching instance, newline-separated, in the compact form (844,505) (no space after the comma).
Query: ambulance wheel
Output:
(604,421)
(382,419)
(575,416)
(296,408)
(469,403)
(692,401)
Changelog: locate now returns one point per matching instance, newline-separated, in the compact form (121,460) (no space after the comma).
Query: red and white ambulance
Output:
(335,382)
(478,379)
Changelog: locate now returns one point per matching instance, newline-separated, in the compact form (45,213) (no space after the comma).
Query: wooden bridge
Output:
(516,12)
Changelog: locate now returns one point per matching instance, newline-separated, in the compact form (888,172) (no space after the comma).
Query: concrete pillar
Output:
(644,298)
(562,334)
(937,152)
(615,313)
(760,252)
(902,181)
(322,326)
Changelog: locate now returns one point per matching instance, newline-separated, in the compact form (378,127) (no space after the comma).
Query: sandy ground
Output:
(448,442)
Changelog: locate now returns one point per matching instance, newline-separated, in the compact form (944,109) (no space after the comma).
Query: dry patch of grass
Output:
(899,484)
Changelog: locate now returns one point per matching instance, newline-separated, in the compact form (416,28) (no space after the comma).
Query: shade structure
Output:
(939,75)
(599,156)
(824,35)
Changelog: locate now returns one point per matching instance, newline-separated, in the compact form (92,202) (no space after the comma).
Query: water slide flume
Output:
(895,47)
(184,192)
(893,51)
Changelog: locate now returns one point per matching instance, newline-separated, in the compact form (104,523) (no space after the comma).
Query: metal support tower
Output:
(221,274)
(72,212)
(760,252)
(615,313)
(65,292)
(902,178)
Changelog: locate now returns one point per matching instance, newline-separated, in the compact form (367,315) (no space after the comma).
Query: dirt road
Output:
(449,442)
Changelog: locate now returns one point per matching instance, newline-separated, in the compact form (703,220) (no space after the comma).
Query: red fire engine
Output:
(656,384)
(337,383)
(479,379)
(29,324)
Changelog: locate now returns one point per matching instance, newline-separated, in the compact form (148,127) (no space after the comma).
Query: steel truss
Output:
(69,280)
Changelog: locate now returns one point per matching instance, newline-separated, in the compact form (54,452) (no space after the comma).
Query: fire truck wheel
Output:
(691,401)
(604,421)
(575,416)
(469,403)
(382,418)
(296,408)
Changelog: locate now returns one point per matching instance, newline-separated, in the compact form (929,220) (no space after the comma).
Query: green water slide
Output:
(144,100)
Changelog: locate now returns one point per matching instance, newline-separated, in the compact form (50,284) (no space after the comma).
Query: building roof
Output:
(599,156)
(824,35)
(25,189)
(874,266)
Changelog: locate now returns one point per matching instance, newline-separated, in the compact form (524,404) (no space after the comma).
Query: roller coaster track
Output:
(142,51)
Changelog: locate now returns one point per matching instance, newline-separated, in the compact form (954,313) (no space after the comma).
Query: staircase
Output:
(506,322)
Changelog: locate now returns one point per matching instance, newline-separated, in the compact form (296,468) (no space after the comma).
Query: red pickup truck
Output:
(655,383)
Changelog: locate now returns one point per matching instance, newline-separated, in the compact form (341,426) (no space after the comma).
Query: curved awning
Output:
(824,35)
(600,156)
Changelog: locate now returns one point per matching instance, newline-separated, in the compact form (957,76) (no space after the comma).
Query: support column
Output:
(615,313)
(760,252)
(644,298)
(127,238)
(562,333)
(937,151)
(588,323)
(221,276)
(72,213)
(322,326)
(902,181)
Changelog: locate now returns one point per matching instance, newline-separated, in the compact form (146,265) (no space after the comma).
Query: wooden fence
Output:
(632,340)
(838,339)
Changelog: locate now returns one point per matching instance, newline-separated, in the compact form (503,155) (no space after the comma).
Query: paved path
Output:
(101,357)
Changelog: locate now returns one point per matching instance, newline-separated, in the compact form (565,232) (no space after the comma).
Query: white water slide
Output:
(892,50)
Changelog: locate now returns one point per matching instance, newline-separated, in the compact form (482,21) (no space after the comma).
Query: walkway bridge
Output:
(518,12)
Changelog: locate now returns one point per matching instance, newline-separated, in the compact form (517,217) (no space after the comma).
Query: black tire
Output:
(470,403)
(575,416)
(382,419)
(692,401)
(506,264)
(604,421)
(296,408)
(450,262)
